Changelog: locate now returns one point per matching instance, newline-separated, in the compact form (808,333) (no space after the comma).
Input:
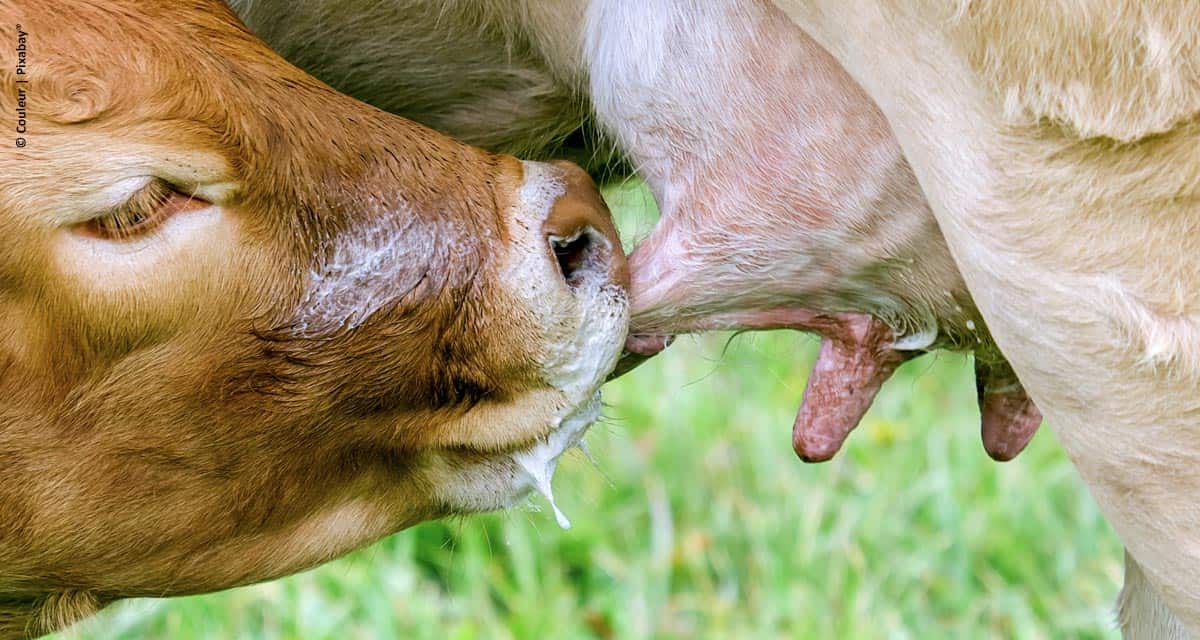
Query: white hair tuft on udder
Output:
(920,336)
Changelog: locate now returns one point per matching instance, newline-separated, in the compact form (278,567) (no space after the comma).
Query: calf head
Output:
(248,324)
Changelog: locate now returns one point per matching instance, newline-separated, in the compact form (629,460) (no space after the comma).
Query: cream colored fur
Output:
(1113,68)
(1141,612)
(1074,221)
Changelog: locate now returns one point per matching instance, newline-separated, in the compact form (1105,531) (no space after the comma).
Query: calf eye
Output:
(143,212)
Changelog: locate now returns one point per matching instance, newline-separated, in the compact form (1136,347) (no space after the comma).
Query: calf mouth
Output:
(539,461)
(469,481)
(567,273)
(580,368)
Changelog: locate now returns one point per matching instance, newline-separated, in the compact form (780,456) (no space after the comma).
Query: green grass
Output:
(698,521)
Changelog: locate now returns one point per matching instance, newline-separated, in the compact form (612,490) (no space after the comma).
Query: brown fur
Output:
(174,431)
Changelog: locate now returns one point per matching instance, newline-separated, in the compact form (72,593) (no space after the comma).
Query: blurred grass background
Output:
(698,521)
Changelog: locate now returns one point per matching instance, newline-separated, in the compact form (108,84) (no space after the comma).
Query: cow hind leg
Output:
(1141,613)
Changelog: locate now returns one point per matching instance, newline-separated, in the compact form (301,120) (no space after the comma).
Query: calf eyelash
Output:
(143,212)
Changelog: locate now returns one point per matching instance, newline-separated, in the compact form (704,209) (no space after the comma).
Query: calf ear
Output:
(1119,69)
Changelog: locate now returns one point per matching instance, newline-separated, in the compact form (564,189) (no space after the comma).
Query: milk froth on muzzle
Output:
(582,242)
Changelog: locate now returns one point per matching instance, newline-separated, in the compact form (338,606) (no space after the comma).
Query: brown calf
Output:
(248,324)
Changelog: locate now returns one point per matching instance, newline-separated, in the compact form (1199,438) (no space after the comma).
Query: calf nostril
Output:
(581,234)
(573,254)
